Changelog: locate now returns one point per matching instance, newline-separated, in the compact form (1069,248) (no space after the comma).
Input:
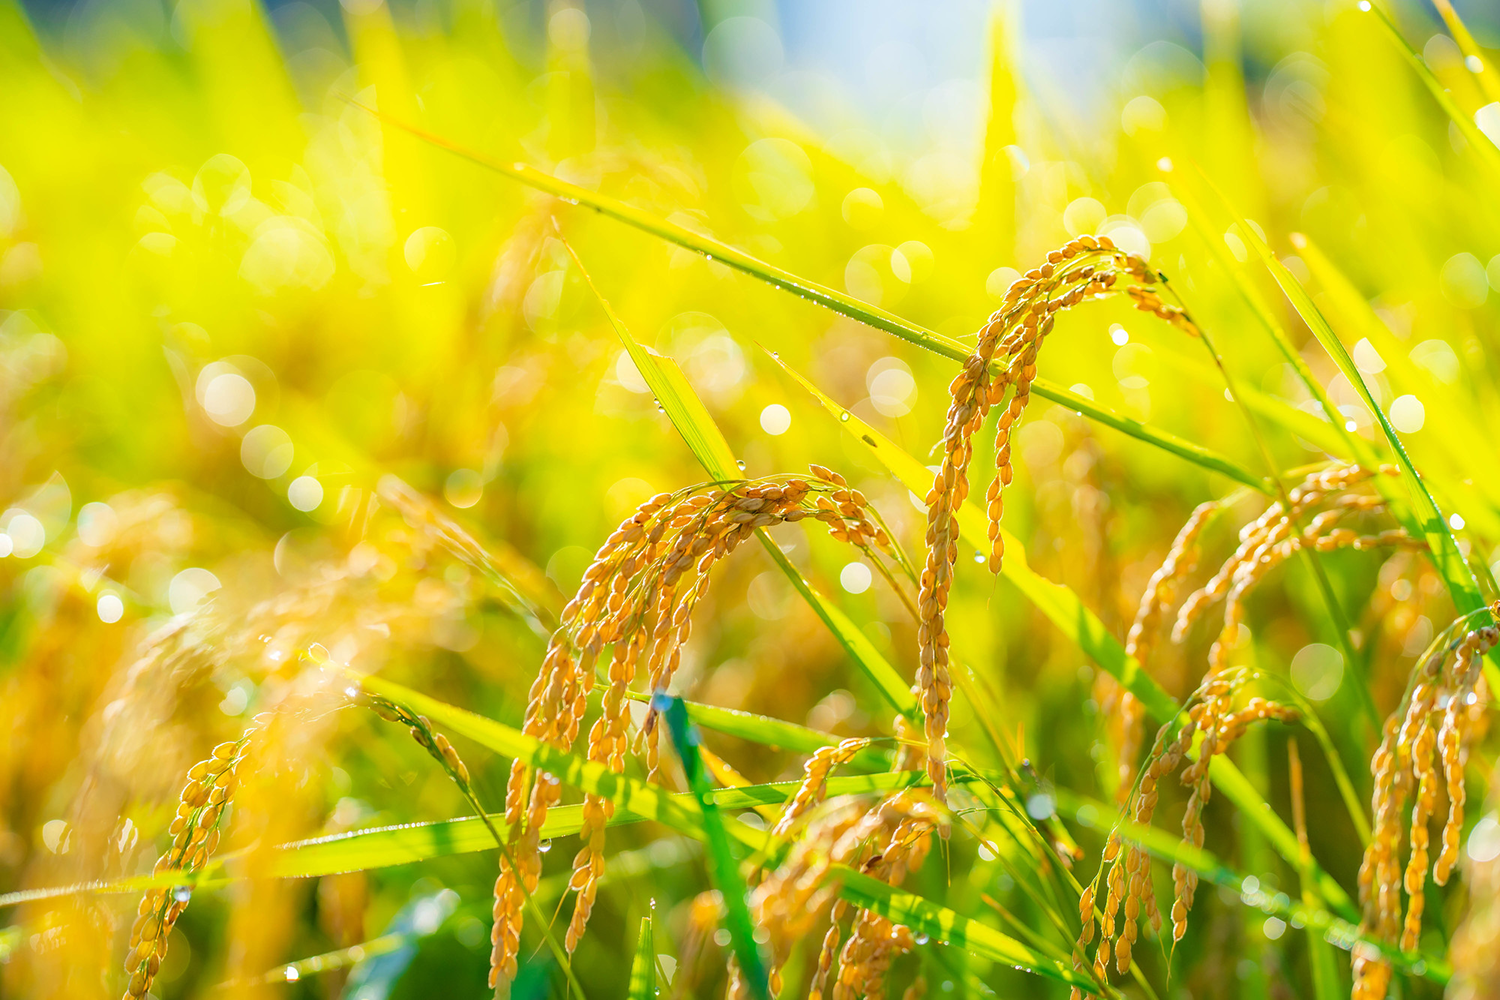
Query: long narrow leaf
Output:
(643,969)
(683,814)
(1480,143)
(1462,437)
(1165,440)
(766,731)
(1462,585)
(923,916)
(1170,847)
(723,868)
(839,302)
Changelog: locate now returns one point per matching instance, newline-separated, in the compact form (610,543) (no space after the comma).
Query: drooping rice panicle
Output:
(637,596)
(1084,268)
(195,832)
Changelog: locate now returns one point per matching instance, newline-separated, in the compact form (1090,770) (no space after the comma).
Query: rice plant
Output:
(523,379)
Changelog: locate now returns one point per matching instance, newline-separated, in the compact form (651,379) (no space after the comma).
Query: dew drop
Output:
(182,893)
(776,355)
(922,939)
(978,556)
(741,464)
(544,846)
(844,417)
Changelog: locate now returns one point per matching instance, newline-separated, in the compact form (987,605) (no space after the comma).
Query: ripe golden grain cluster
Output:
(195,832)
(1444,706)
(638,596)
(1004,362)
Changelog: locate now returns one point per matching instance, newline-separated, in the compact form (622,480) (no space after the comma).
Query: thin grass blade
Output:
(723,869)
(643,969)
(1476,140)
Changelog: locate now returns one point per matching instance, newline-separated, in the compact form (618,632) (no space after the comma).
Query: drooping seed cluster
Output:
(886,839)
(1274,537)
(435,743)
(1123,713)
(1433,726)
(1213,724)
(815,781)
(638,596)
(1085,268)
(905,823)
(195,834)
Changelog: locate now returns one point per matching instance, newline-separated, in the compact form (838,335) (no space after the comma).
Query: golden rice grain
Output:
(1085,268)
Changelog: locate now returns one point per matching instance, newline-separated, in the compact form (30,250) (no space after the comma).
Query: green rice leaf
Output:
(839,302)
(643,969)
(1476,140)
(686,814)
(1200,456)
(766,731)
(1424,515)
(1461,437)
(1352,444)
(723,869)
(1171,847)
(688,239)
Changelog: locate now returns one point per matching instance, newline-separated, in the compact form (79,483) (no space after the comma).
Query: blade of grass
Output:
(643,969)
(1425,516)
(1485,75)
(1483,148)
(1340,621)
(1165,440)
(924,916)
(1312,428)
(707,443)
(768,732)
(829,298)
(1198,218)
(1460,437)
(1084,628)
(724,870)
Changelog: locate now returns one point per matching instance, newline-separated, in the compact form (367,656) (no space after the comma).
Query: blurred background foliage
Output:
(231,301)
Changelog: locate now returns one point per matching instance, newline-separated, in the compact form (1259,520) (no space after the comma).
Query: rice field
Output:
(523,501)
